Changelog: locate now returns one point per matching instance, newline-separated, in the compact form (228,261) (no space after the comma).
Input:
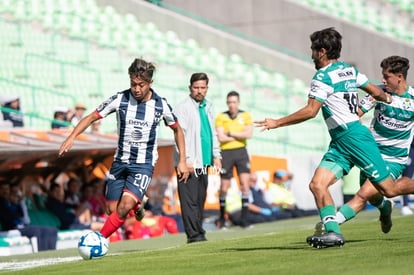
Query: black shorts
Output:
(234,158)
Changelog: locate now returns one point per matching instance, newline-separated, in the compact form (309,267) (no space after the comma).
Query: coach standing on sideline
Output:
(196,118)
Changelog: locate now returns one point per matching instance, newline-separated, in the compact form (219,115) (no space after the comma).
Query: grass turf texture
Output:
(269,248)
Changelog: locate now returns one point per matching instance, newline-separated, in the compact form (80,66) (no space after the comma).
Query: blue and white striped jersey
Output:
(336,86)
(392,125)
(137,125)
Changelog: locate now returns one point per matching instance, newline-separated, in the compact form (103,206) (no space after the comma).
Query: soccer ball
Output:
(92,245)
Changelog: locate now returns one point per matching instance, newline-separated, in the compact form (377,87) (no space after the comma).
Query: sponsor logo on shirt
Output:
(138,122)
(385,121)
(350,86)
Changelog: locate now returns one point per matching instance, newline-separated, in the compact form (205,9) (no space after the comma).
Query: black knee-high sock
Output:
(245,204)
(222,207)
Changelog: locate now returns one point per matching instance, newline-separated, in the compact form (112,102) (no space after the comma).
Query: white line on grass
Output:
(36,263)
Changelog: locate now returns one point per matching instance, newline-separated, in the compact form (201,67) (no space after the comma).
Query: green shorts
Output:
(356,147)
(394,168)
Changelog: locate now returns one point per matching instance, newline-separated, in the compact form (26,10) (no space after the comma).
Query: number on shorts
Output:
(142,181)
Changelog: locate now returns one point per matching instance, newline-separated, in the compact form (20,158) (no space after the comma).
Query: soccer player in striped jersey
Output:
(139,111)
(393,130)
(334,89)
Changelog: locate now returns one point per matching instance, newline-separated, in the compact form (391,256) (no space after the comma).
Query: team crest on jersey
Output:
(407,103)
(157,117)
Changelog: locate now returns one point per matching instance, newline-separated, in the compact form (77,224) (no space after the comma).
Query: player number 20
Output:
(142,181)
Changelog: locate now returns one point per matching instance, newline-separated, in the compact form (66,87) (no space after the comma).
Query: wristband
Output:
(229,134)
(388,99)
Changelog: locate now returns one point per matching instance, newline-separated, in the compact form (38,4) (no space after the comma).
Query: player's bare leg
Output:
(319,186)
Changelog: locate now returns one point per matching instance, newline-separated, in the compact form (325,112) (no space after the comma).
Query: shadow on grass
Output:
(299,247)
(295,246)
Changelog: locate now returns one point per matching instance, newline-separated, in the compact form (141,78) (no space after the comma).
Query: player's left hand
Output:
(182,172)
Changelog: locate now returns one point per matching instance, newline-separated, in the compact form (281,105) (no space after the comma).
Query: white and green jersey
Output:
(392,125)
(336,86)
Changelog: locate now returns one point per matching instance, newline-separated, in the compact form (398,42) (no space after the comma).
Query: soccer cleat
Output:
(329,239)
(140,212)
(319,229)
(385,219)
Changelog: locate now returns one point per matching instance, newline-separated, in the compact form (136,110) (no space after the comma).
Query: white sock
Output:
(340,219)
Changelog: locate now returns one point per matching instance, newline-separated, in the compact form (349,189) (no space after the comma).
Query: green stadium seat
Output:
(406,5)
(76,28)
(280,82)
(19,12)
(297,86)
(131,23)
(6,6)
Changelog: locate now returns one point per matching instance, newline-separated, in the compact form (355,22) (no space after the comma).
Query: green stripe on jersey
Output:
(397,113)
(390,133)
(393,151)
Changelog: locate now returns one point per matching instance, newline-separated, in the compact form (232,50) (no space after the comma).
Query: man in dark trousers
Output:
(196,118)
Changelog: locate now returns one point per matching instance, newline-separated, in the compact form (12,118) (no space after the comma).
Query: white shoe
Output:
(406,211)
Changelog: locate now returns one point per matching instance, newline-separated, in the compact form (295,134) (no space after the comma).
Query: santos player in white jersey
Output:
(139,111)
(393,130)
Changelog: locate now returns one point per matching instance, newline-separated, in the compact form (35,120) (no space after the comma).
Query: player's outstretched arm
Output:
(182,169)
(377,93)
(307,112)
(82,125)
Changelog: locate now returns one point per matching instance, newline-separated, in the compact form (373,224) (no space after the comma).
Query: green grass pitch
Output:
(269,248)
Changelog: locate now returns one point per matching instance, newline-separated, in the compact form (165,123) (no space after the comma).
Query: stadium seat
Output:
(280,82)
(406,5)
(6,6)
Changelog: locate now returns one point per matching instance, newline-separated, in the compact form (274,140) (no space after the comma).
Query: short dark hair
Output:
(198,76)
(396,65)
(233,93)
(328,39)
(142,69)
